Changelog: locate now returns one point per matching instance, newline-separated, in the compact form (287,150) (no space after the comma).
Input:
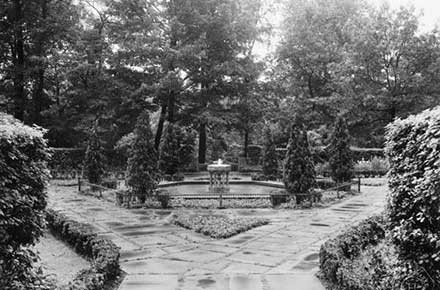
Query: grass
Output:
(217,227)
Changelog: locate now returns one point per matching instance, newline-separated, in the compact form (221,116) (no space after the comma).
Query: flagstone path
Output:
(158,255)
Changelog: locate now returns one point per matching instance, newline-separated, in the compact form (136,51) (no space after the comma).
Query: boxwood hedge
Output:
(103,253)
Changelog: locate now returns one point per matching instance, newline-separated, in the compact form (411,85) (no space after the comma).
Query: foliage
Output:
(66,159)
(299,171)
(227,203)
(414,154)
(270,160)
(341,159)
(23,170)
(94,159)
(375,166)
(103,252)
(143,171)
(218,227)
(177,149)
(335,253)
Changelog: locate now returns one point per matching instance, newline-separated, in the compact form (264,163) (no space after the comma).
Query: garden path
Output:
(158,255)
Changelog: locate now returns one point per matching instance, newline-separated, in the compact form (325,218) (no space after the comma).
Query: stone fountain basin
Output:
(235,187)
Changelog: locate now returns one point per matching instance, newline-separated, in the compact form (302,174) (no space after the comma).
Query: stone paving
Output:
(158,255)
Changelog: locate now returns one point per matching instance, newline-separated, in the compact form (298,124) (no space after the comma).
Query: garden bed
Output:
(218,227)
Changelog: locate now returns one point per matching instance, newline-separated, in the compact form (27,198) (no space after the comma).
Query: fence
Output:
(276,197)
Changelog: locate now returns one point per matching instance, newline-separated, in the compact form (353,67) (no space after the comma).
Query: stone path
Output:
(158,255)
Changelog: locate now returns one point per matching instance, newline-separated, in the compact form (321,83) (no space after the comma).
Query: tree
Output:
(176,150)
(341,159)
(299,170)
(270,159)
(30,31)
(143,170)
(94,158)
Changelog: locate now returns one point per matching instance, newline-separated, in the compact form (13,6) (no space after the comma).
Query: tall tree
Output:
(30,30)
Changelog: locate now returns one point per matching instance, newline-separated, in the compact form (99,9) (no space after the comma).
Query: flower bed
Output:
(218,227)
(103,253)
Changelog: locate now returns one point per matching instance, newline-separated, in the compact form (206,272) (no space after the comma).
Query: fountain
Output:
(219,177)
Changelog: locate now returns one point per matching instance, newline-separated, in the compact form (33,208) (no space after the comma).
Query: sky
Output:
(430,9)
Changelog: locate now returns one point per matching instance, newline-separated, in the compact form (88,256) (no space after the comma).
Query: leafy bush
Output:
(94,159)
(227,203)
(270,160)
(341,159)
(347,246)
(177,149)
(24,173)
(413,149)
(218,227)
(143,171)
(299,171)
(103,252)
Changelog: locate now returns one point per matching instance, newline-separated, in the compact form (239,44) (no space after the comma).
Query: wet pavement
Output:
(158,255)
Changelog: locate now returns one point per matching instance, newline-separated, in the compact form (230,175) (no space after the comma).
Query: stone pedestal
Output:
(219,177)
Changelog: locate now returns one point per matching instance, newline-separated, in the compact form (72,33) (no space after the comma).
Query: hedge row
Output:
(413,149)
(103,253)
(337,252)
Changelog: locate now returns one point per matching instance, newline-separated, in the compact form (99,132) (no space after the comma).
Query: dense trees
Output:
(65,64)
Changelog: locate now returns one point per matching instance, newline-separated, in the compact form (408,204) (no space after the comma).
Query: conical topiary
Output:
(94,159)
(169,150)
(299,170)
(270,160)
(341,158)
(143,172)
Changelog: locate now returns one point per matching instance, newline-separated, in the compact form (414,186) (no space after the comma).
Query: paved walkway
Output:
(158,255)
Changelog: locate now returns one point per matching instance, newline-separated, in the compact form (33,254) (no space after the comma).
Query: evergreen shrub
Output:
(299,170)
(143,170)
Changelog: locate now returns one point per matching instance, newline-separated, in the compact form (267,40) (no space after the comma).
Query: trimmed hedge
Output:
(335,253)
(103,253)
(413,149)
(23,176)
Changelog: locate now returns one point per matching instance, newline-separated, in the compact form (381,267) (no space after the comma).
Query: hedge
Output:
(337,252)
(103,253)
(413,150)
(23,170)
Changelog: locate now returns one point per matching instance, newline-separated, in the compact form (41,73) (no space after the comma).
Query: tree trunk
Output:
(18,61)
(38,96)
(246,143)
(202,143)
(159,130)
(171,102)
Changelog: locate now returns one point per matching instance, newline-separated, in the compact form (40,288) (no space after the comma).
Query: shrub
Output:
(24,173)
(270,160)
(94,159)
(143,171)
(177,149)
(347,246)
(218,227)
(299,171)
(413,149)
(341,159)
(103,253)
